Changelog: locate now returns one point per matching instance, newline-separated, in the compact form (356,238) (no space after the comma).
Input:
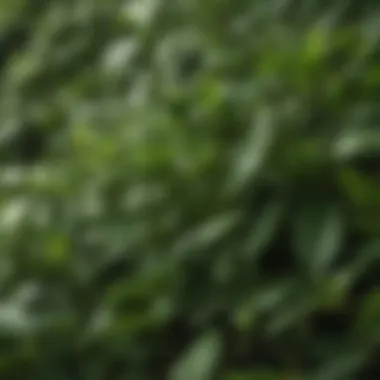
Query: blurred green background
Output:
(189,189)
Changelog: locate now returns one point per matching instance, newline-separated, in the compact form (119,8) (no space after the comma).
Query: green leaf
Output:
(263,230)
(363,190)
(342,366)
(357,143)
(261,375)
(253,153)
(316,45)
(200,361)
(207,233)
(318,235)
(367,325)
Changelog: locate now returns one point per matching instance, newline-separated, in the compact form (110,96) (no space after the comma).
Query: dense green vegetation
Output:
(189,190)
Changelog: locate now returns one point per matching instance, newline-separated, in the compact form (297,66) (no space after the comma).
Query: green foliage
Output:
(189,190)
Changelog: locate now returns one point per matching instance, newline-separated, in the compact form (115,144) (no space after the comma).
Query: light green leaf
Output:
(200,360)
(207,233)
(357,143)
(253,153)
